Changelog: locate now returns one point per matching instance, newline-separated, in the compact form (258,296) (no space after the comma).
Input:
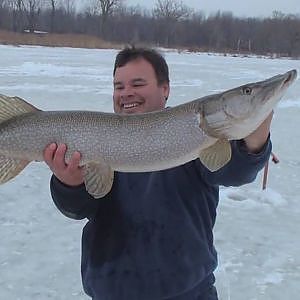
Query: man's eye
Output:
(118,88)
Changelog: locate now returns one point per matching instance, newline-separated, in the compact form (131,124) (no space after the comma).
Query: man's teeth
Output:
(130,105)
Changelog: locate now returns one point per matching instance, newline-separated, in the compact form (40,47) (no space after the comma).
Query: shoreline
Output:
(55,40)
(83,41)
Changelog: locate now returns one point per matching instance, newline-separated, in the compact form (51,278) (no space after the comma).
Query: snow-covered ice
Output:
(257,232)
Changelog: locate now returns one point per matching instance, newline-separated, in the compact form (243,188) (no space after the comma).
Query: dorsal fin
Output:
(14,106)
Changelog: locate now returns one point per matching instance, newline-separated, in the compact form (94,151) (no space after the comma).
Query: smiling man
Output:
(151,236)
(138,87)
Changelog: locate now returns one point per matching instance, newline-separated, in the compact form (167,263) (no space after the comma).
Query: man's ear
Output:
(166,87)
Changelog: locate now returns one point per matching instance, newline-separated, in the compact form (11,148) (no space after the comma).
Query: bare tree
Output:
(107,8)
(53,4)
(171,9)
(168,13)
(69,6)
(49,14)
(2,3)
(3,9)
(16,6)
(277,14)
(65,16)
(32,9)
(171,23)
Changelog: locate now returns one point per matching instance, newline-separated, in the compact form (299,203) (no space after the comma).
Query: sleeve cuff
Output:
(65,187)
(73,202)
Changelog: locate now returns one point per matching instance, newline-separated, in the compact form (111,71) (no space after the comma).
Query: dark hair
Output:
(157,61)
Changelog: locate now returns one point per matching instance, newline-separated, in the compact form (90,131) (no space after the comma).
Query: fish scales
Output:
(124,143)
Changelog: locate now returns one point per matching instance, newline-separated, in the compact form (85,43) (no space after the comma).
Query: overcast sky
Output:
(250,8)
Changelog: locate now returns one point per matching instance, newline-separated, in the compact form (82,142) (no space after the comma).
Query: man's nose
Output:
(127,91)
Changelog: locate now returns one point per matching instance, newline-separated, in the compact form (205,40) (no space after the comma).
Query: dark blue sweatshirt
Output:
(151,237)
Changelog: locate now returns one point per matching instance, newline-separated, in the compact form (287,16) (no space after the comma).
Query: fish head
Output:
(254,97)
(236,113)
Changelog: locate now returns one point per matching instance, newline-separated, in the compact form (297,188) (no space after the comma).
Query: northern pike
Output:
(144,142)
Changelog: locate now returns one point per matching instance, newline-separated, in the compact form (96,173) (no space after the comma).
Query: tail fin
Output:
(11,107)
(10,168)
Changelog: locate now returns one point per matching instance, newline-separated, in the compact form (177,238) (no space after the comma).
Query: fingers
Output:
(49,153)
(74,162)
(59,157)
(69,173)
(54,156)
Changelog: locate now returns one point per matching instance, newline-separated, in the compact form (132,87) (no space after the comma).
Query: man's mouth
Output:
(130,105)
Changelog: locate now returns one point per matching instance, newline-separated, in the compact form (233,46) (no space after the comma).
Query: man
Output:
(151,237)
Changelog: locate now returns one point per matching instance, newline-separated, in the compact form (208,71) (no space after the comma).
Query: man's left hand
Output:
(256,140)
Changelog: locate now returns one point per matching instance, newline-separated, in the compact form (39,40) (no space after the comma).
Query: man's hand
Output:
(258,138)
(70,174)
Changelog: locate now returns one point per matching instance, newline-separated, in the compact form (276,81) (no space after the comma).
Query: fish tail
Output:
(11,107)
(10,168)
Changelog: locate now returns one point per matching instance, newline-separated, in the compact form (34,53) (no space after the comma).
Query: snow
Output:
(257,232)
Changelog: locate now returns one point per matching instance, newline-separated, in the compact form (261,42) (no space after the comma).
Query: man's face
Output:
(136,89)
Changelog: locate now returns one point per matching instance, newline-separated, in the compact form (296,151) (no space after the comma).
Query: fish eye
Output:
(247,90)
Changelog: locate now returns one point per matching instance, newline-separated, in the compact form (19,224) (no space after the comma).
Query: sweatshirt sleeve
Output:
(73,202)
(242,168)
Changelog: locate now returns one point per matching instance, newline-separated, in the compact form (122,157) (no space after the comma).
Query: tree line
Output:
(170,23)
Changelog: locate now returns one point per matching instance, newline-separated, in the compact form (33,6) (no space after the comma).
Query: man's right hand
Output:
(69,173)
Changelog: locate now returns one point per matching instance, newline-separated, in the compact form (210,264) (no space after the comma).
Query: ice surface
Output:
(257,232)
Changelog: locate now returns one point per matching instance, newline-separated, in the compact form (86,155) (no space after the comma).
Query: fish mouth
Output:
(291,76)
(283,80)
(275,87)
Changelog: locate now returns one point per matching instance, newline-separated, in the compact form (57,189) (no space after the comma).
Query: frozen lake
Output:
(257,232)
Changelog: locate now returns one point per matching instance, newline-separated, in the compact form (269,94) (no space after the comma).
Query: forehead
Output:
(138,68)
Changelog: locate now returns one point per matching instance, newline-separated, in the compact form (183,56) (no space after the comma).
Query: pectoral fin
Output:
(98,178)
(10,168)
(216,156)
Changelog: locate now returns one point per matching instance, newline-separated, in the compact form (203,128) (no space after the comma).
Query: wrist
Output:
(255,146)
(69,183)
